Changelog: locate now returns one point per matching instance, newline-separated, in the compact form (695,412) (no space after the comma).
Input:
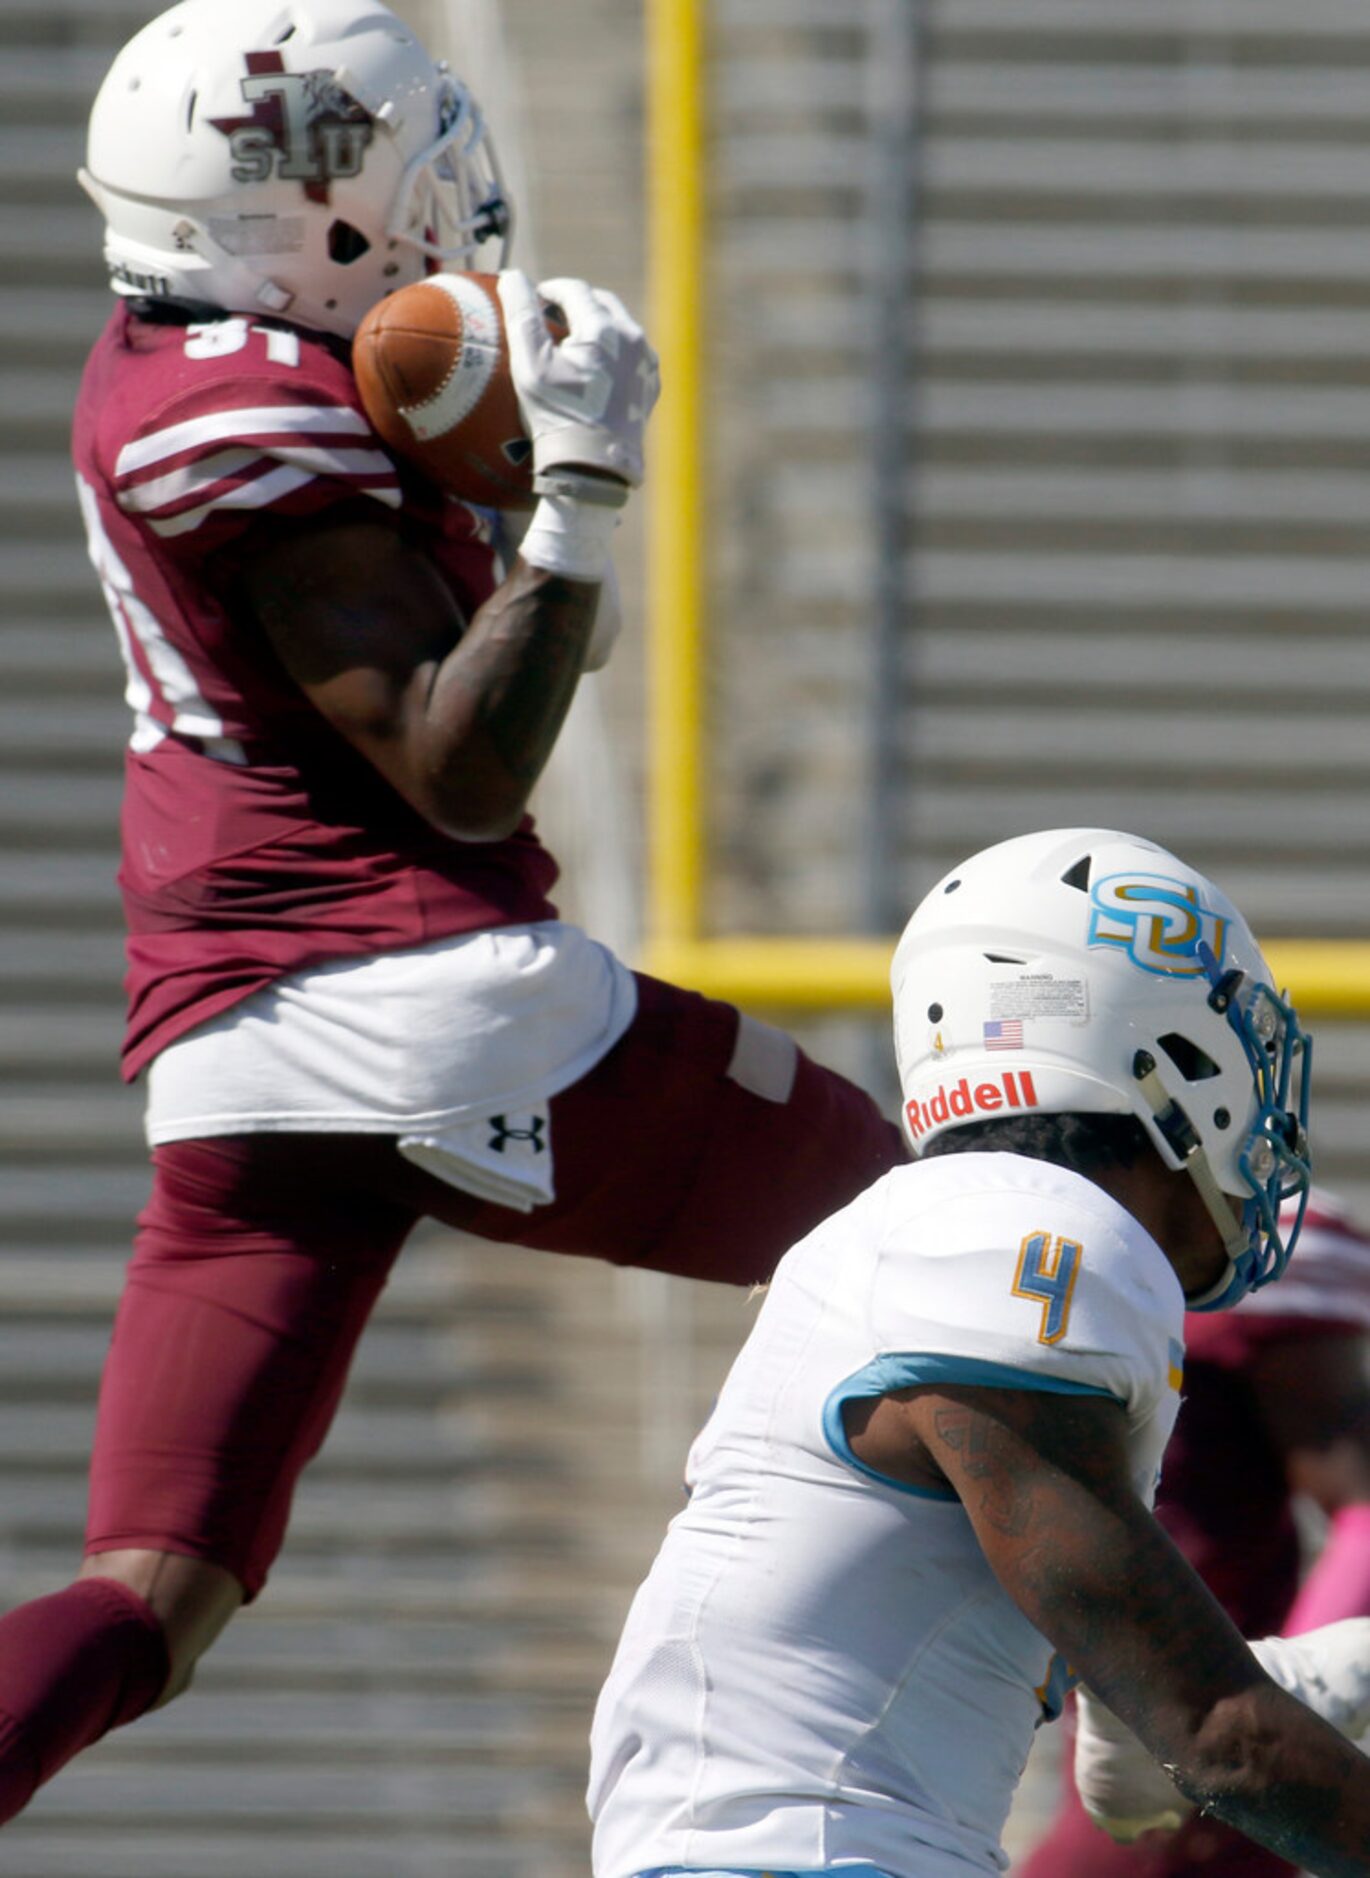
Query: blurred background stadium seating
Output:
(1036,340)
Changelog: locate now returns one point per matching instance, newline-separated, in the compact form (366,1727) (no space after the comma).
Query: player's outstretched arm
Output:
(1127,1793)
(1045,1482)
(461,721)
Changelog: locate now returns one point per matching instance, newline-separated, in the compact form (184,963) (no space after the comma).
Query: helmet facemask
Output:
(451,198)
(1272,1159)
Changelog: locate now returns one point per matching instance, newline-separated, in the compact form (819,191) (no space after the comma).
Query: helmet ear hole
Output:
(346,244)
(1194,1064)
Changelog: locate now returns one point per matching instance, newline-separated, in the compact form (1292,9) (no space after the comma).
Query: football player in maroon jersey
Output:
(350,997)
(1276,1403)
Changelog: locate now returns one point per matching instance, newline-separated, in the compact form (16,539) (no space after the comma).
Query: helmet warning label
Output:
(1040,994)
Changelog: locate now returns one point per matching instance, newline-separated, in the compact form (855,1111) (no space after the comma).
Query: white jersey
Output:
(821,1669)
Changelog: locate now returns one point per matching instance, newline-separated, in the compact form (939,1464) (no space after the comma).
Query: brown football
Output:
(432,365)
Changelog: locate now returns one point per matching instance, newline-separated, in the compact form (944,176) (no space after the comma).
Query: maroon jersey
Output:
(256,840)
(1224,1495)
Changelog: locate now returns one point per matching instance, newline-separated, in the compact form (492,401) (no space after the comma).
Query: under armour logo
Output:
(502,1132)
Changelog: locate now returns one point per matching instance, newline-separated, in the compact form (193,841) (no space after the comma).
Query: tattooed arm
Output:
(1044,1480)
(460,720)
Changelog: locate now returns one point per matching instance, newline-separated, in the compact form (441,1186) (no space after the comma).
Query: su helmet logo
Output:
(303,127)
(1159,922)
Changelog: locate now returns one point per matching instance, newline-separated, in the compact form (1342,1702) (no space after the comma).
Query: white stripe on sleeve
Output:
(218,426)
(198,478)
(260,494)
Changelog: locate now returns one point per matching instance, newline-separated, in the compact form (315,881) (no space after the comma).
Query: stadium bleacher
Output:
(1137,483)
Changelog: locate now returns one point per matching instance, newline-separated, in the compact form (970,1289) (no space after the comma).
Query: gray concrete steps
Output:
(35,85)
(112,1785)
(75,1040)
(39,160)
(99,1197)
(35,962)
(1042,92)
(520,1289)
(36,484)
(1023,333)
(530,1651)
(77,886)
(1033,255)
(78,656)
(92,732)
(38,402)
(369,1516)
(485,1391)
(52,328)
(1338,25)
(73,27)
(395,1850)
(54,809)
(963,170)
(45,576)
(490,1612)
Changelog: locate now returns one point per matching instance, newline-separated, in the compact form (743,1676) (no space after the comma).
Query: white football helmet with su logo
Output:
(1087,971)
(288,158)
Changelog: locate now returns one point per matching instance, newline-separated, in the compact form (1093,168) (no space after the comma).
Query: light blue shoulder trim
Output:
(885,1373)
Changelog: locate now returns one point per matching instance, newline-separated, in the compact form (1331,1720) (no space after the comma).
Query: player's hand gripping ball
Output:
(432,365)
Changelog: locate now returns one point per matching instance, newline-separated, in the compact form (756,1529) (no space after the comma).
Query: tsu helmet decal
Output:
(1126,983)
(297,158)
(303,127)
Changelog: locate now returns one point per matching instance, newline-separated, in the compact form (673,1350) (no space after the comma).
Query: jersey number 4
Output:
(1047,1270)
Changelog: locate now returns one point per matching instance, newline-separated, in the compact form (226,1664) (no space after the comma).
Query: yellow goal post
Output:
(1326,977)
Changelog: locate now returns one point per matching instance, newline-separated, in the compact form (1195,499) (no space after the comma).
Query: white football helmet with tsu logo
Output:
(295,158)
(1085,971)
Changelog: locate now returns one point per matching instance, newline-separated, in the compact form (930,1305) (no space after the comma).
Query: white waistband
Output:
(407,1043)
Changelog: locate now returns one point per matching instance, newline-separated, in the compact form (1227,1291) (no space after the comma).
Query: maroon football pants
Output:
(259,1257)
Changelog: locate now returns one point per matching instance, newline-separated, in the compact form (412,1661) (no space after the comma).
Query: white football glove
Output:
(1123,1790)
(1127,1793)
(1327,1668)
(585,402)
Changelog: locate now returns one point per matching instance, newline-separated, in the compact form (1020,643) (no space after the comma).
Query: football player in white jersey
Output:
(921,1507)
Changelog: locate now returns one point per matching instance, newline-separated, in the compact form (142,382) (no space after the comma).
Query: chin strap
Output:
(1182,1138)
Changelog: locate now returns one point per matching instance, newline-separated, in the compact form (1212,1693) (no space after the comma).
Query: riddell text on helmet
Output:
(959,1100)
